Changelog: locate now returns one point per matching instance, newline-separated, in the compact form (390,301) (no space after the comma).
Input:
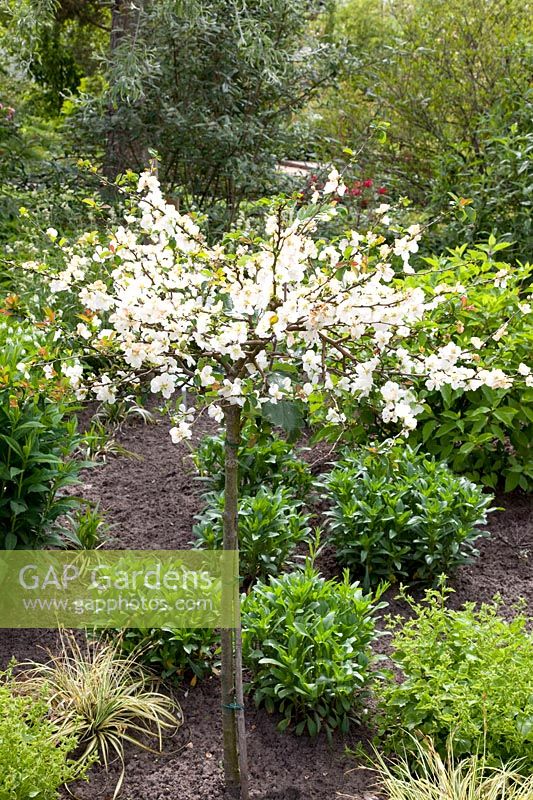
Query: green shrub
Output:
(38,438)
(467,682)
(450,115)
(174,653)
(263,461)
(271,524)
(37,443)
(33,758)
(496,173)
(241,70)
(486,433)
(307,642)
(397,514)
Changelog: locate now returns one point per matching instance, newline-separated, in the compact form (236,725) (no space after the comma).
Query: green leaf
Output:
(511,481)
(285,414)
(428,429)
(505,414)
(10,541)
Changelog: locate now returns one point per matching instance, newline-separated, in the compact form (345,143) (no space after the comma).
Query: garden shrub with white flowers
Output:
(482,430)
(270,322)
(486,431)
(282,319)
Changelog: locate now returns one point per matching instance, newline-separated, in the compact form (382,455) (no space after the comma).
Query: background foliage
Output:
(439,93)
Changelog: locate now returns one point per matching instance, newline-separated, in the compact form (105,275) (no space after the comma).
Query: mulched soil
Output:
(151,503)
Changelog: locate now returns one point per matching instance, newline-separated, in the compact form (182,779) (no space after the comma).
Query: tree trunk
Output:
(120,152)
(235,758)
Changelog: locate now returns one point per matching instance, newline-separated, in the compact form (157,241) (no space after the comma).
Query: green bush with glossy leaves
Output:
(271,525)
(264,460)
(38,443)
(396,514)
(307,642)
(466,682)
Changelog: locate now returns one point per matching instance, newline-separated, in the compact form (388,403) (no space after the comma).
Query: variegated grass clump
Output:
(430,777)
(103,699)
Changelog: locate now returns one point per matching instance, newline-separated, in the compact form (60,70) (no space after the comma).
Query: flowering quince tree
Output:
(261,323)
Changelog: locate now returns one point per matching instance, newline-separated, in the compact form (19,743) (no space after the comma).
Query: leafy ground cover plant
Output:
(263,461)
(432,777)
(182,653)
(397,514)
(102,699)
(467,682)
(271,525)
(34,756)
(307,642)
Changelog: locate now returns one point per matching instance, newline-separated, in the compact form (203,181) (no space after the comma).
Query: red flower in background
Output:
(9,111)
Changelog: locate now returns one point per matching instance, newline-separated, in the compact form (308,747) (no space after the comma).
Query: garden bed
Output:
(151,502)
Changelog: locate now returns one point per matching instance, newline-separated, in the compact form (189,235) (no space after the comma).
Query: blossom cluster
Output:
(256,320)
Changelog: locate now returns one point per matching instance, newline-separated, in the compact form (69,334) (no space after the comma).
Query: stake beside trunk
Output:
(233,722)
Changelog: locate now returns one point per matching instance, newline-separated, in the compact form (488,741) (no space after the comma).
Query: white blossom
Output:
(104,389)
(215,412)
(164,384)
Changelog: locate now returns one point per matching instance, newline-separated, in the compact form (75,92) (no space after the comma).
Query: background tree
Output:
(446,84)
(212,87)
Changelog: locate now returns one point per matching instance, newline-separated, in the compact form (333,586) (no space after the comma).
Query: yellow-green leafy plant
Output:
(103,699)
(34,755)
(466,682)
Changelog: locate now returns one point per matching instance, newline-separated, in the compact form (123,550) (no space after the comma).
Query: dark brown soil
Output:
(151,503)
